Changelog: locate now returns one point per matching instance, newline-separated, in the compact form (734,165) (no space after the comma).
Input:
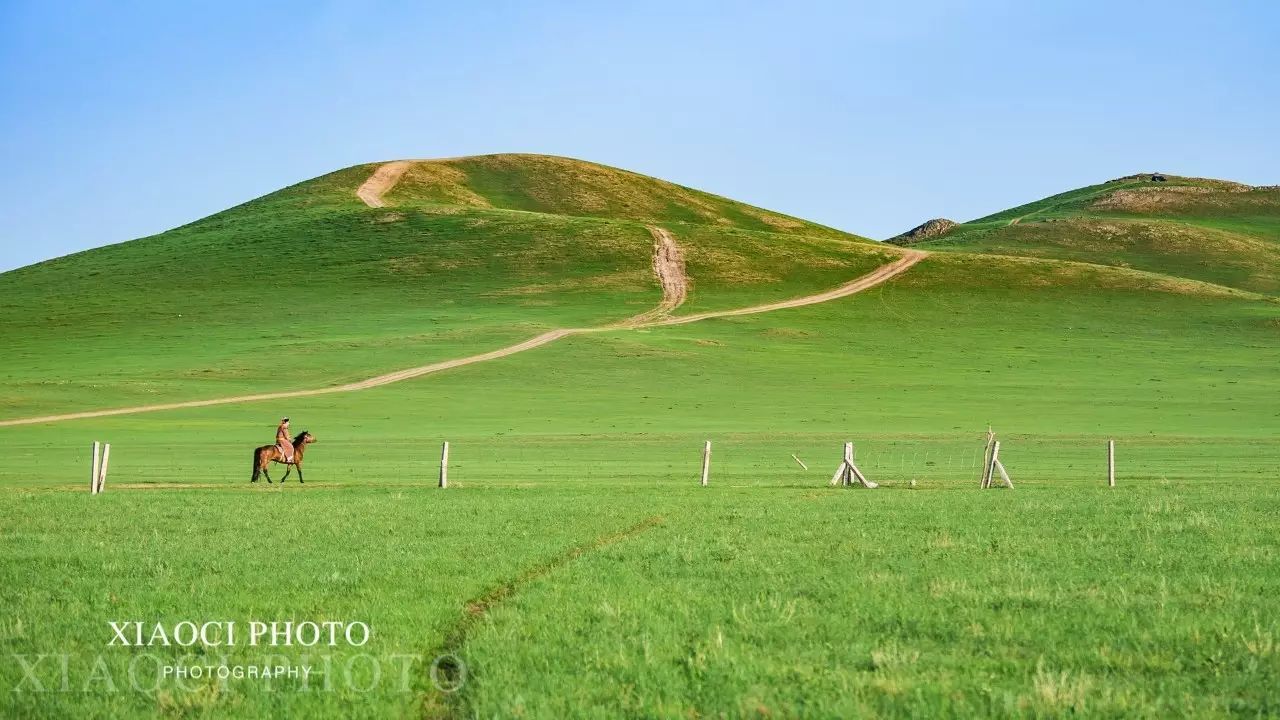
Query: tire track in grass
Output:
(439,705)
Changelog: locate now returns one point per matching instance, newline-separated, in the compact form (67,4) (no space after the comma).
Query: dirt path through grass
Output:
(381,181)
(668,268)
(871,279)
(877,276)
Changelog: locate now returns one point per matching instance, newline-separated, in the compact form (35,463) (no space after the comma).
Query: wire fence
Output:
(779,460)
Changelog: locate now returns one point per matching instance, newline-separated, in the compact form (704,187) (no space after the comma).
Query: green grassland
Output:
(1206,230)
(578,570)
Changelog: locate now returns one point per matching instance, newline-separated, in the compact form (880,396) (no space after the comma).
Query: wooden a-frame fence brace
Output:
(848,471)
(991,463)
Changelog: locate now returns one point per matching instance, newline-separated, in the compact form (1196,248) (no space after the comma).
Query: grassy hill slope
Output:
(1210,230)
(308,286)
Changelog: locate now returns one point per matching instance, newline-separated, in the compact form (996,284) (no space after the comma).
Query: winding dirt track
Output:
(668,268)
(381,181)
(668,265)
(871,279)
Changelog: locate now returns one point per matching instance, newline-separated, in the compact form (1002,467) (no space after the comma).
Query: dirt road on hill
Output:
(871,279)
(668,266)
(373,382)
(381,182)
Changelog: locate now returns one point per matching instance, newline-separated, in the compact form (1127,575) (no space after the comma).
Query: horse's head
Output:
(304,438)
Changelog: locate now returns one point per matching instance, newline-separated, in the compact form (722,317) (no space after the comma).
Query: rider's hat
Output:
(284,419)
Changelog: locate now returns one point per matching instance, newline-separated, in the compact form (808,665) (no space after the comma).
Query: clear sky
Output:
(123,119)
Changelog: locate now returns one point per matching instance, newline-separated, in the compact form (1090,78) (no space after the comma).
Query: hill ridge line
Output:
(879,275)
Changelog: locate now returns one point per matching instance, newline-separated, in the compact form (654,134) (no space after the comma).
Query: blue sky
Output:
(123,119)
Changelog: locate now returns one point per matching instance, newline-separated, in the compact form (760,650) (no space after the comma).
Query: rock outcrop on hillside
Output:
(929,230)
(1178,180)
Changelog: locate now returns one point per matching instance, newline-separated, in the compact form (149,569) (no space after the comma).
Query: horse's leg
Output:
(287,469)
(299,466)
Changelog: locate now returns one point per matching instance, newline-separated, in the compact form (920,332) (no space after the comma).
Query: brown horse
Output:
(267,454)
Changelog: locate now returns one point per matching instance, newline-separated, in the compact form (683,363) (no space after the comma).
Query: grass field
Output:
(576,568)
(1152,600)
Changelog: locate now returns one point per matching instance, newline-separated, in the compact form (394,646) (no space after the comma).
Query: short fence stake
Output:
(93,476)
(706,462)
(444,465)
(102,472)
(1111,463)
(793,457)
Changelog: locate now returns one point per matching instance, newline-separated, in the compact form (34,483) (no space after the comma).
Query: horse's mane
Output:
(298,439)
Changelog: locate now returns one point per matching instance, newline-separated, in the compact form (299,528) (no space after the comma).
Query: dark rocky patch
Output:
(928,230)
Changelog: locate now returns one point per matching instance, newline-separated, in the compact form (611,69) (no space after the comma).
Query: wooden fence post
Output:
(706,462)
(1111,463)
(93,476)
(444,465)
(102,472)
(984,479)
(999,466)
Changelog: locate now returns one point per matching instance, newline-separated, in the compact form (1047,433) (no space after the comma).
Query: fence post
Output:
(984,478)
(444,465)
(93,477)
(1111,463)
(706,462)
(993,458)
(102,472)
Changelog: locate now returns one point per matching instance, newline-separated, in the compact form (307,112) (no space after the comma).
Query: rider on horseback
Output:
(283,441)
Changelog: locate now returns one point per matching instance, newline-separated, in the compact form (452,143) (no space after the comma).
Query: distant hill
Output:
(1211,230)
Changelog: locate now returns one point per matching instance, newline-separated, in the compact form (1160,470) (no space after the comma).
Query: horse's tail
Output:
(257,467)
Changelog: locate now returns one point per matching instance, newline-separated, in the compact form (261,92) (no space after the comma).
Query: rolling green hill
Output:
(309,287)
(1210,230)
(575,564)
